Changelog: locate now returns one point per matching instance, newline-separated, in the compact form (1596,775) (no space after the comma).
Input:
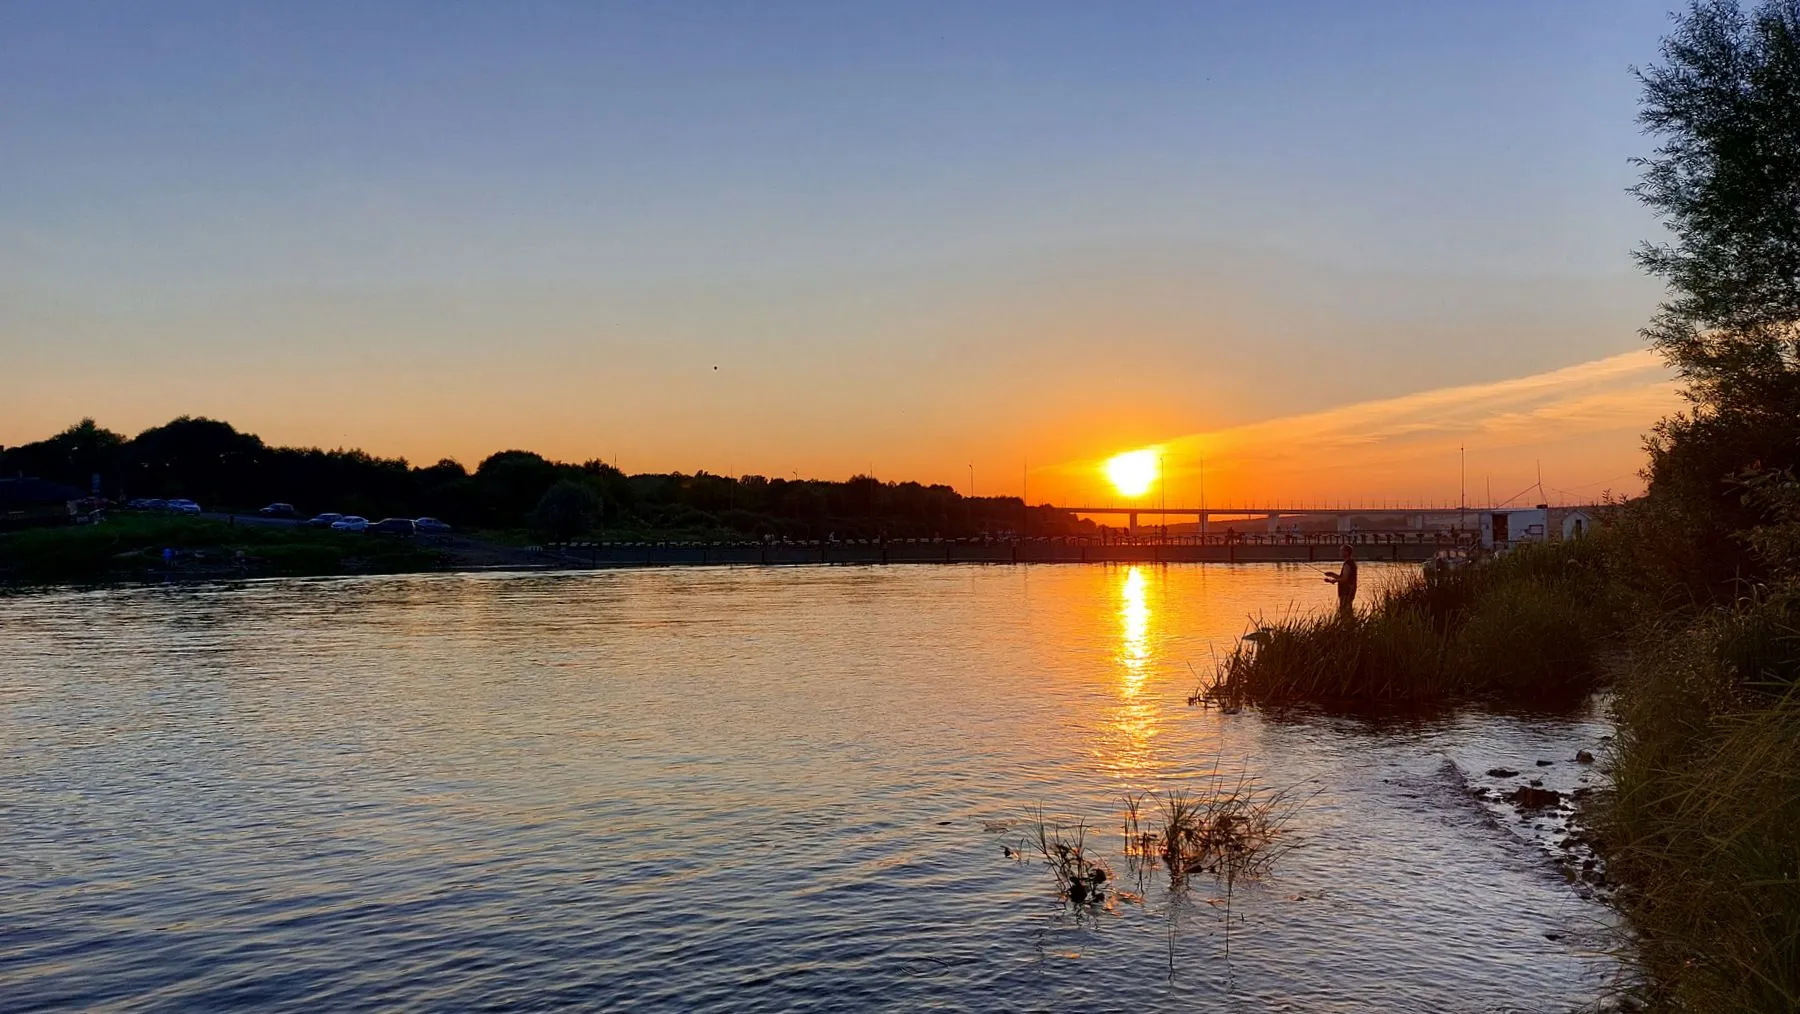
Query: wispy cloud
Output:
(1581,425)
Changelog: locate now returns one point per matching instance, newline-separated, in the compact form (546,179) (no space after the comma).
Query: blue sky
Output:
(909,236)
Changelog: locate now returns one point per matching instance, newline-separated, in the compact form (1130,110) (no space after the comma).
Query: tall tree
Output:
(1725,103)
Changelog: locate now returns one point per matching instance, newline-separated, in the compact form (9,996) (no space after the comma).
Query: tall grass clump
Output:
(1230,833)
(1703,829)
(1529,625)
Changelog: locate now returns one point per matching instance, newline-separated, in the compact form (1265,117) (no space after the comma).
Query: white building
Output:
(1512,526)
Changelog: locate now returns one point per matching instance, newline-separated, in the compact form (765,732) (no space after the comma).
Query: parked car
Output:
(144,503)
(392,526)
(430,526)
(181,506)
(350,523)
(279,510)
(324,520)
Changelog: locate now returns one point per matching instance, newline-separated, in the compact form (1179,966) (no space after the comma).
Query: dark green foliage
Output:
(1774,539)
(566,509)
(1704,827)
(1725,178)
(73,456)
(1725,103)
(510,484)
(222,468)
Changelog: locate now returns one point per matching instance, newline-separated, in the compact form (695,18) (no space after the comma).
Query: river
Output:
(730,789)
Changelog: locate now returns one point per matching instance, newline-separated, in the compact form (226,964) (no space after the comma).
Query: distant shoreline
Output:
(131,552)
(1027,551)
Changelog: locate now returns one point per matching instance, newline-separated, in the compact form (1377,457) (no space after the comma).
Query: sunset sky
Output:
(1318,245)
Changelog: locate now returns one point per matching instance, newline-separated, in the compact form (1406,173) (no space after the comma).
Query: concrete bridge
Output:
(1414,518)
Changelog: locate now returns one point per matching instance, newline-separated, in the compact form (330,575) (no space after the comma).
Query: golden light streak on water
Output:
(1132,758)
(1134,617)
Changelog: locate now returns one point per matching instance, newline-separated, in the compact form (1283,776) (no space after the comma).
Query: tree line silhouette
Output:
(212,462)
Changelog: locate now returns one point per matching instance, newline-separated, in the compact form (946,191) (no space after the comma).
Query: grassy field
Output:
(130,547)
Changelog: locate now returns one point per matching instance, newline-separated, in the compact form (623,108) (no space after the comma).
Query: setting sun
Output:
(1133,472)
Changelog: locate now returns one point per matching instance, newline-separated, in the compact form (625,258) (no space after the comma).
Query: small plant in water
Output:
(1229,832)
(1080,878)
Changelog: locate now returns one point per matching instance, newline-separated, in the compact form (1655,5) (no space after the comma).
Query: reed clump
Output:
(1526,625)
(1229,831)
(1231,834)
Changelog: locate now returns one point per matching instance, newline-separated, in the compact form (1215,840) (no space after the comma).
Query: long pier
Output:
(1313,549)
(1254,534)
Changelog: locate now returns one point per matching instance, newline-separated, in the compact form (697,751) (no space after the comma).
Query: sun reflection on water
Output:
(1134,616)
(1138,714)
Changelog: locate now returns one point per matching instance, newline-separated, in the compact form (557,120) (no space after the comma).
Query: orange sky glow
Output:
(1581,428)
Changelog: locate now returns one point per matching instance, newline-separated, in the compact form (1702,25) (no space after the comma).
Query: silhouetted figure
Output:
(1345,579)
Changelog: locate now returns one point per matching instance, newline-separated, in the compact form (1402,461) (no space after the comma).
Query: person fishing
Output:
(1345,579)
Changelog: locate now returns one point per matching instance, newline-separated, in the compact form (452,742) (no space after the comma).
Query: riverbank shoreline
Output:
(204,574)
(157,550)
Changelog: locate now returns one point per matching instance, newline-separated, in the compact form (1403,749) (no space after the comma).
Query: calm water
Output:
(722,790)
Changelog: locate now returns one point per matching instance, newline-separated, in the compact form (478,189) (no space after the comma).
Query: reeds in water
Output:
(1529,625)
(1230,834)
(1230,831)
(1080,877)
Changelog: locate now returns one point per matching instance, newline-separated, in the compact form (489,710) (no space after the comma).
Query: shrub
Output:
(566,509)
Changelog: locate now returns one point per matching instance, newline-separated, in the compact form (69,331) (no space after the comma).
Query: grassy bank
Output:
(1532,625)
(1704,825)
(130,547)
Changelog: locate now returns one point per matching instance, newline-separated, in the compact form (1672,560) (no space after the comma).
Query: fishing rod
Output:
(1331,576)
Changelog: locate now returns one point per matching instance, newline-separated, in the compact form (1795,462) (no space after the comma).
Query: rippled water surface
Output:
(723,790)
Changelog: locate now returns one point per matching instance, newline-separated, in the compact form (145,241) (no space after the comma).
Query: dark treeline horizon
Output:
(223,468)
